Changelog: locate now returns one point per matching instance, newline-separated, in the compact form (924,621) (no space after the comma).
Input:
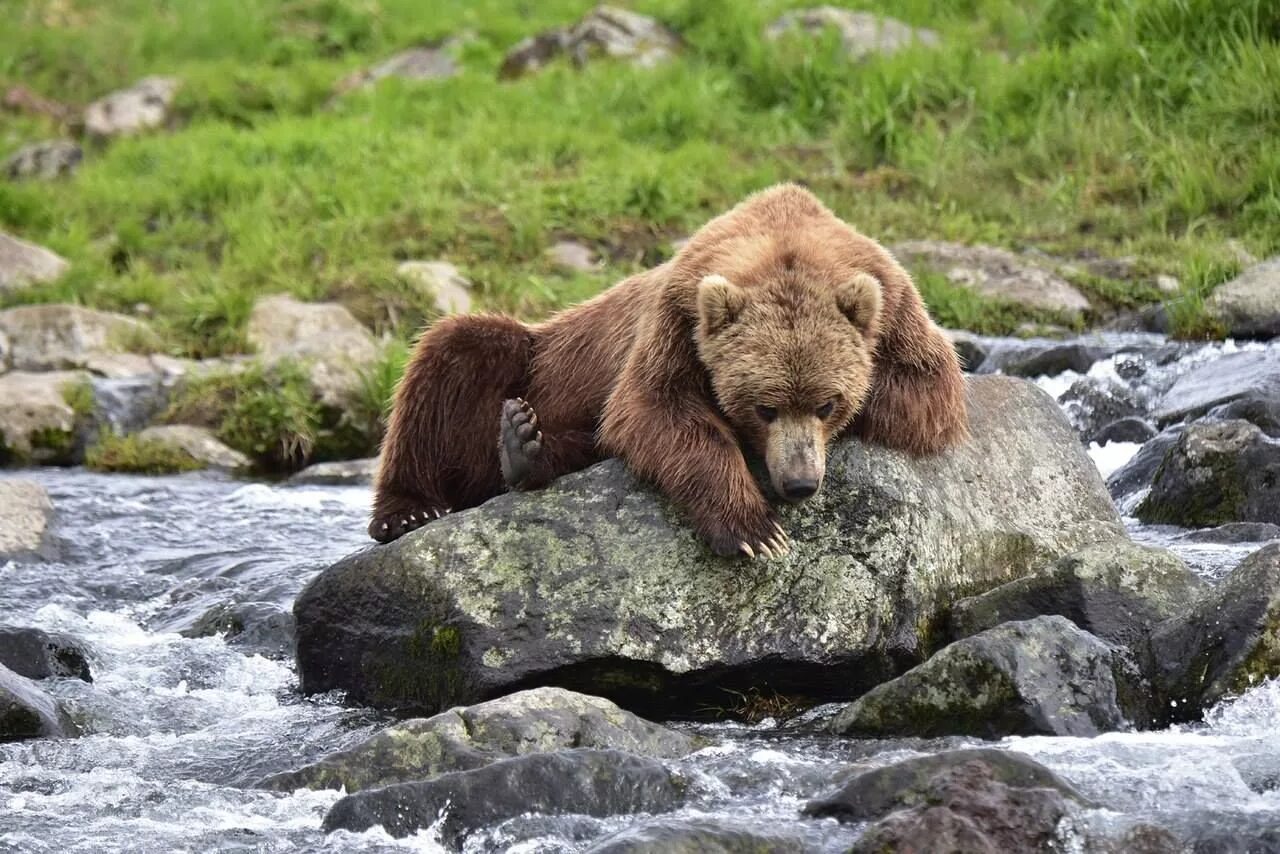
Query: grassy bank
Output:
(1122,128)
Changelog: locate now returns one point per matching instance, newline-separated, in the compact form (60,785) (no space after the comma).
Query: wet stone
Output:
(37,654)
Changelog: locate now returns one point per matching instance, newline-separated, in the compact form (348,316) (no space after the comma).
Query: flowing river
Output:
(178,728)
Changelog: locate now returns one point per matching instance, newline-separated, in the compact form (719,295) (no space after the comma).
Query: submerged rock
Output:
(143,106)
(26,515)
(1225,644)
(23,263)
(1042,676)
(1116,591)
(1092,405)
(1249,305)
(862,34)
(695,836)
(38,654)
(995,273)
(580,782)
(961,801)
(540,720)
(255,627)
(27,712)
(1234,532)
(605,30)
(598,584)
(1217,472)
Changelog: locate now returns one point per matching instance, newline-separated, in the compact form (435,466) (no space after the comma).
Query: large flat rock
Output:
(597,584)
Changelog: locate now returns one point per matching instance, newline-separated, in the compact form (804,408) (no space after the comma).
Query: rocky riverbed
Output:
(1034,661)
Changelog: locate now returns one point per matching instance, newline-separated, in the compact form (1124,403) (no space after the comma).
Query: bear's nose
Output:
(800,488)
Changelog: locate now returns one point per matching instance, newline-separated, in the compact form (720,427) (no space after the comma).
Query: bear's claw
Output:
(519,442)
(386,527)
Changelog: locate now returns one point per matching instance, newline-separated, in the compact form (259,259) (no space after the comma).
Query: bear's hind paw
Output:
(386,527)
(519,443)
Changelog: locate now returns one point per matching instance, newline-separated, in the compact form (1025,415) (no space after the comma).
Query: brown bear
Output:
(775,329)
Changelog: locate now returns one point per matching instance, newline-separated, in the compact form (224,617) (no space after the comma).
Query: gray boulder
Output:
(442,281)
(198,443)
(996,273)
(44,160)
(572,256)
(37,654)
(598,584)
(26,516)
(539,720)
(579,782)
(428,62)
(1092,405)
(961,801)
(1116,591)
(1257,409)
(1042,676)
(604,31)
(1130,429)
(27,712)
(338,473)
(1224,644)
(1216,472)
(971,349)
(1251,373)
(862,34)
(1137,474)
(255,627)
(57,337)
(1234,533)
(38,424)
(23,263)
(142,107)
(1249,305)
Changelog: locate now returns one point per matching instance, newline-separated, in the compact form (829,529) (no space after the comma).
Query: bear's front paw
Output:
(519,443)
(386,527)
(766,540)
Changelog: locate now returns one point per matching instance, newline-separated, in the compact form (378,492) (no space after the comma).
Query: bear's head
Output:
(790,358)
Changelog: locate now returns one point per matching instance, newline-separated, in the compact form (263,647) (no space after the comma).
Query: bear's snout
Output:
(796,456)
(798,489)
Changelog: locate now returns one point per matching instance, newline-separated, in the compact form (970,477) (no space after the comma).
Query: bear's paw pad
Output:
(519,443)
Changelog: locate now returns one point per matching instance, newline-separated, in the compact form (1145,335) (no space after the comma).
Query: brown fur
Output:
(775,304)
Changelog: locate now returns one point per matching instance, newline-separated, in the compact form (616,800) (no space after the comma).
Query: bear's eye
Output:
(767,413)
(825,410)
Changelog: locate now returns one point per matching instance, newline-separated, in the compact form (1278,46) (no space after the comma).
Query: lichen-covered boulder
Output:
(38,423)
(604,31)
(539,720)
(26,515)
(1035,677)
(579,782)
(1225,644)
(599,585)
(1116,591)
(27,712)
(1216,472)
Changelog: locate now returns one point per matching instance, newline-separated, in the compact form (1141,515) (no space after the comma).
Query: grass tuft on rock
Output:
(134,455)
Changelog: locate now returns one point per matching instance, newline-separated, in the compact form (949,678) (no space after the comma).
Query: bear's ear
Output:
(859,300)
(720,302)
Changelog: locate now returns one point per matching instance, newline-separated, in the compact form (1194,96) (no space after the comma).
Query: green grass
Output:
(1121,127)
(133,455)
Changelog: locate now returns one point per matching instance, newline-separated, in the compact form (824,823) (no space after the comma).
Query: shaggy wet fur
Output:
(774,310)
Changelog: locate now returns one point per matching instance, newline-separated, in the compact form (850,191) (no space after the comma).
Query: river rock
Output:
(325,336)
(442,281)
(1116,591)
(143,106)
(338,473)
(26,515)
(1259,410)
(1251,373)
(37,654)
(1092,404)
(198,443)
(37,424)
(580,782)
(1234,533)
(1217,472)
(1249,305)
(1042,676)
(46,160)
(1131,430)
(1137,474)
(862,34)
(56,337)
(995,273)
(1225,644)
(695,836)
(539,720)
(259,628)
(27,712)
(606,30)
(874,793)
(23,263)
(971,349)
(598,584)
